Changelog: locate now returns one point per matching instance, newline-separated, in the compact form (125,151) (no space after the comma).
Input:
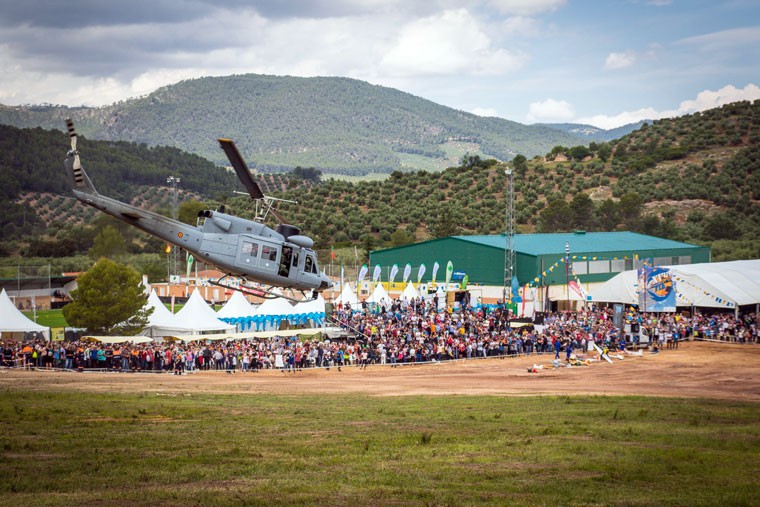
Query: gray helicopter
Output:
(280,257)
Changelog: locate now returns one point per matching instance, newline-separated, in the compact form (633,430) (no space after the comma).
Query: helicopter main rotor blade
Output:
(73,135)
(244,174)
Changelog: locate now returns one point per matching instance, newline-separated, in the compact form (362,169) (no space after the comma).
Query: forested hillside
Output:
(335,124)
(694,178)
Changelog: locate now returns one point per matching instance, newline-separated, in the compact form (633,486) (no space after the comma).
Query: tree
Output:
(109,300)
(400,237)
(579,152)
(108,243)
(188,211)
(555,217)
(582,209)
(607,215)
(520,164)
(629,207)
(446,224)
(604,152)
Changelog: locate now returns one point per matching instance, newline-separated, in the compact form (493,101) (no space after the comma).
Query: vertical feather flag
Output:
(190,260)
(435,271)
(449,271)
(394,272)
(363,272)
(407,272)
(376,274)
(420,273)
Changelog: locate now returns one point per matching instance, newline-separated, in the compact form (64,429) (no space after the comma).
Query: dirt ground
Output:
(696,370)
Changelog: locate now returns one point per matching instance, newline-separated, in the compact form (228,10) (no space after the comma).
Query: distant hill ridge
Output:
(339,125)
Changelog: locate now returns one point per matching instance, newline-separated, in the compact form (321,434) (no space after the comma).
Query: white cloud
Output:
(550,111)
(705,100)
(448,43)
(616,61)
(484,111)
(526,7)
(725,39)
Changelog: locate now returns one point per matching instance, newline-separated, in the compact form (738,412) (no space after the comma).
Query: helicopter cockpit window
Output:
(269,253)
(309,265)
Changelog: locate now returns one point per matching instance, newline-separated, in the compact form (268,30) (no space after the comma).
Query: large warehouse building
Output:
(595,257)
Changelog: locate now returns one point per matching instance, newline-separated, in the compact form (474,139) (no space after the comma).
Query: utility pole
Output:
(174,182)
(509,235)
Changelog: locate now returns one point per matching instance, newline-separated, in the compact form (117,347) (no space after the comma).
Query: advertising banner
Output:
(657,290)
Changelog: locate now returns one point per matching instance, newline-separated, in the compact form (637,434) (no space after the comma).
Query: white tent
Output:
(348,296)
(194,318)
(160,315)
(716,285)
(410,292)
(237,306)
(379,295)
(13,321)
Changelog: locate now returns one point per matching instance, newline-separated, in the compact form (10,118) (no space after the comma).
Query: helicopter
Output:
(249,249)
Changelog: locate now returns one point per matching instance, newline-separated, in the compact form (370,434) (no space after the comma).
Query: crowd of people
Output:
(396,334)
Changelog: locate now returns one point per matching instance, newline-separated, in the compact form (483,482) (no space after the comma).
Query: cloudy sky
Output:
(605,62)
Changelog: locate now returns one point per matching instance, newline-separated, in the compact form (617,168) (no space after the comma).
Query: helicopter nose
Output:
(325,284)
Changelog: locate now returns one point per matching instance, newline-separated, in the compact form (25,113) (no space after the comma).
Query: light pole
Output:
(174,181)
(509,234)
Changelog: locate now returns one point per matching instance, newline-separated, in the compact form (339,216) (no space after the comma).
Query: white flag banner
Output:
(394,272)
(407,272)
(376,274)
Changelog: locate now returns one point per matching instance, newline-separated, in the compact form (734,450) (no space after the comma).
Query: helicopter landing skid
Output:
(258,292)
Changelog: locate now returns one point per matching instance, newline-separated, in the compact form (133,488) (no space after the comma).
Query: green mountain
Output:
(338,125)
(695,178)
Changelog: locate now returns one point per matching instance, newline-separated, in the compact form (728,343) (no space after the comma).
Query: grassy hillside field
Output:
(64,448)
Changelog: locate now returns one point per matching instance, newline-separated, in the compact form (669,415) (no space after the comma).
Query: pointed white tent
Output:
(160,315)
(379,295)
(237,306)
(348,296)
(410,292)
(198,315)
(13,321)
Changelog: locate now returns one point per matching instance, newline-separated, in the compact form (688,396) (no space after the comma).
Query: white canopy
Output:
(379,295)
(715,285)
(348,296)
(237,306)
(276,306)
(161,315)
(195,317)
(310,306)
(13,321)
(410,292)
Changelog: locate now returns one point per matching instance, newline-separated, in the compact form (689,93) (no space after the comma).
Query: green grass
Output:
(48,318)
(104,449)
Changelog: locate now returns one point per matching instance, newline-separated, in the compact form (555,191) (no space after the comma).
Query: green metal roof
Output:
(585,242)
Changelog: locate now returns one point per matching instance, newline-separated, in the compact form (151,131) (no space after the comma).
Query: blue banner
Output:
(657,290)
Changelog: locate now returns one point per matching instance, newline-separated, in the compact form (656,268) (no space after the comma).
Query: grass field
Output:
(74,448)
(48,318)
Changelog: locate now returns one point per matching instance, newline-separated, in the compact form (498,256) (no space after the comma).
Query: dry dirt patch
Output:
(696,370)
